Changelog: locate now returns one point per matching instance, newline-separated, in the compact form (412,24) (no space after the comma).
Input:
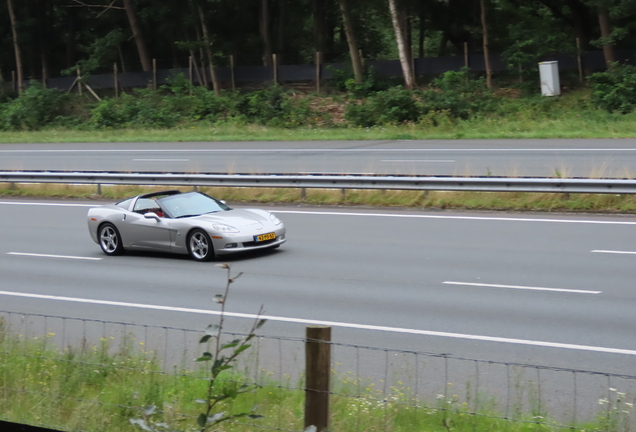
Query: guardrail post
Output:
(12,186)
(99,189)
(318,372)
(303,193)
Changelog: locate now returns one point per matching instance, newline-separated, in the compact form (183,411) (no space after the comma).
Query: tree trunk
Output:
(265,33)
(144,57)
(356,59)
(318,8)
(16,46)
(400,36)
(606,33)
(484,28)
(280,44)
(208,49)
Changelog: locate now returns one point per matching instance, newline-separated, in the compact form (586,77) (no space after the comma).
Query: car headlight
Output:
(275,219)
(224,228)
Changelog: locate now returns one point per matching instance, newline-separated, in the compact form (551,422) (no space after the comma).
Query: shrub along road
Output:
(541,158)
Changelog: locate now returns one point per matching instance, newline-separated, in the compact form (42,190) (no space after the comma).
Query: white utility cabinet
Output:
(549,74)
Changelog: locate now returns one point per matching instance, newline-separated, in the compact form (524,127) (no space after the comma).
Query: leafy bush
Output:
(35,108)
(274,107)
(344,80)
(458,95)
(615,89)
(392,106)
(144,108)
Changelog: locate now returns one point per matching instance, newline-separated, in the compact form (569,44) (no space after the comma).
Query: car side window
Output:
(145,205)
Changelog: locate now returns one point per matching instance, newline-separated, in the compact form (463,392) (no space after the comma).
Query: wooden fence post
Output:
(318,72)
(232,71)
(190,73)
(154,74)
(318,372)
(275,68)
(116,82)
(578,58)
(466,55)
(79,82)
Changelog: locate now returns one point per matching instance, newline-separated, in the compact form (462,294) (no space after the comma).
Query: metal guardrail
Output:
(423,183)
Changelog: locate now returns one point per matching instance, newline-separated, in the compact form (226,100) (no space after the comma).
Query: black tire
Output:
(200,245)
(110,239)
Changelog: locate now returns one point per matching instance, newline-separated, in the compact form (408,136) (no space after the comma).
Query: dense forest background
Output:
(52,38)
(45,38)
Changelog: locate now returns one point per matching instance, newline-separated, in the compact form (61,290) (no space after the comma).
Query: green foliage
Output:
(393,106)
(615,89)
(458,95)
(455,95)
(273,107)
(34,109)
(102,52)
(220,357)
(144,108)
(343,80)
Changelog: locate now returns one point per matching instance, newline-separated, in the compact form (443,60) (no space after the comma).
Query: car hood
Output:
(237,218)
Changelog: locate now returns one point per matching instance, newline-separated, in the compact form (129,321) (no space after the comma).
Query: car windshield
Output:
(191,204)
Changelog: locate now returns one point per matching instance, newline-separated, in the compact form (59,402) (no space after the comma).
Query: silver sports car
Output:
(184,223)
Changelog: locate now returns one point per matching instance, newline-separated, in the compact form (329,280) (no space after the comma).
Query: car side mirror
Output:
(151,215)
(222,201)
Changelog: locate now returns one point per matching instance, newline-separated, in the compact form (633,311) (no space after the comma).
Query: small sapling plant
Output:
(220,356)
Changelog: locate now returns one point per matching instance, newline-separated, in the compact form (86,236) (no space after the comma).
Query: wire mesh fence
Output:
(92,375)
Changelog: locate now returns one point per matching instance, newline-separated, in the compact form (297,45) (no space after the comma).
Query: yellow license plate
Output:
(264,237)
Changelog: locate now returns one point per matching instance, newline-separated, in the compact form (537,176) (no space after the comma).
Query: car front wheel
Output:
(200,246)
(110,240)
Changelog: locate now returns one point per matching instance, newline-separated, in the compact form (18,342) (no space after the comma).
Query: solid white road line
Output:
(484,218)
(161,160)
(313,150)
(53,256)
(417,160)
(47,204)
(395,215)
(331,323)
(614,252)
(522,287)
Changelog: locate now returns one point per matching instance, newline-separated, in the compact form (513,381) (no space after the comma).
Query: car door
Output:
(143,232)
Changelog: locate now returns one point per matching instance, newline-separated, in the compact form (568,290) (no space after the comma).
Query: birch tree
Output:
(403,51)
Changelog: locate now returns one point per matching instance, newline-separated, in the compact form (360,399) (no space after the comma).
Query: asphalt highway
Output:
(614,158)
(544,289)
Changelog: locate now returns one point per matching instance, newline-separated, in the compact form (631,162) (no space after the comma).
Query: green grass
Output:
(604,126)
(501,201)
(567,116)
(99,388)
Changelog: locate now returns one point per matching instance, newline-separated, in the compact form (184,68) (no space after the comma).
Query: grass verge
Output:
(495,201)
(575,126)
(100,388)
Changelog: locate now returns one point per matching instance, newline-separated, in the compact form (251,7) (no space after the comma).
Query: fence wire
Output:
(92,375)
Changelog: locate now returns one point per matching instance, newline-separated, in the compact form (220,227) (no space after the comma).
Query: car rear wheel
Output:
(110,240)
(200,246)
